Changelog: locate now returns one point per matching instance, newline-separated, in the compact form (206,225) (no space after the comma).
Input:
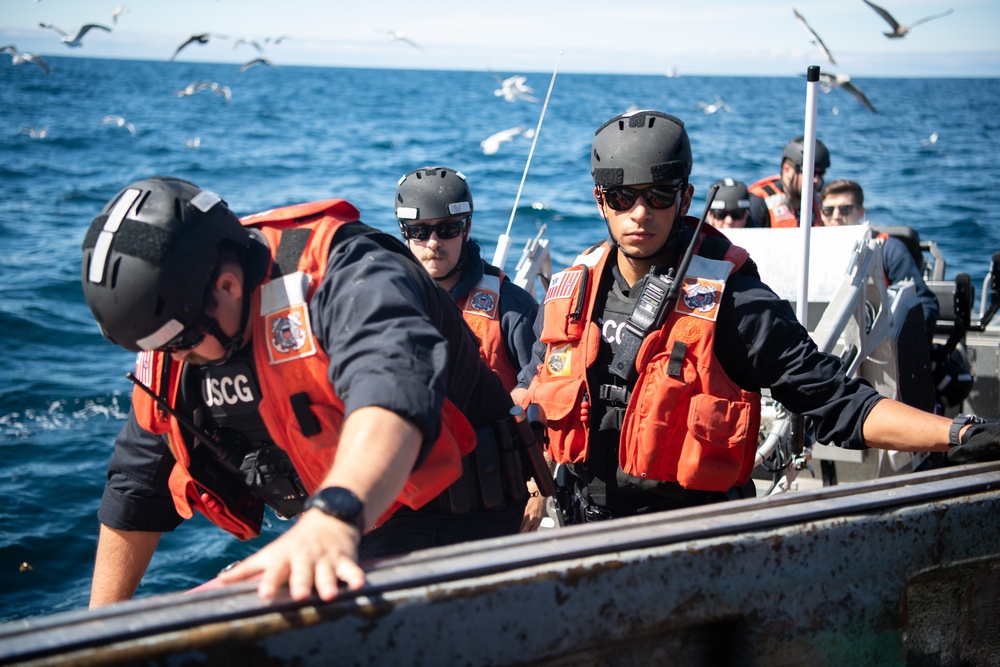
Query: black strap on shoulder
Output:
(290,248)
(713,247)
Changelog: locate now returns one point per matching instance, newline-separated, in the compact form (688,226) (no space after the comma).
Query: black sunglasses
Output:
(658,196)
(444,230)
(737,214)
(843,209)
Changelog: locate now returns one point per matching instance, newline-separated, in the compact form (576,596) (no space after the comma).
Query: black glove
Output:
(980,442)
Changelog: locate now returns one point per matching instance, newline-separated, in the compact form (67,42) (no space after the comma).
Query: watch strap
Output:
(957,424)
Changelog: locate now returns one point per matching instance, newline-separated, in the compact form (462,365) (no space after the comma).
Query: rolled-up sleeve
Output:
(137,496)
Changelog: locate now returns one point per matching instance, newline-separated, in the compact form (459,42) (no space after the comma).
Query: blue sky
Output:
(719,37)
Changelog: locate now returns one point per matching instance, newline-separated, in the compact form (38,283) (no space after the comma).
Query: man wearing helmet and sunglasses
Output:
(782,193)
(434,208)
(297,358)
(654,404)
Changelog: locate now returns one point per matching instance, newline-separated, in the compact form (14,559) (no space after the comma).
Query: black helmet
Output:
(149,259)
(430,193)
(794,151)
(640,147)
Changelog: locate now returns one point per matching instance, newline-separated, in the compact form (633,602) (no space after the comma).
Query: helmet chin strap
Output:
(230,344)
(462,258)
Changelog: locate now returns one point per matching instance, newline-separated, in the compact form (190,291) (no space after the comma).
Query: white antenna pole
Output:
(806,202)
(503,242)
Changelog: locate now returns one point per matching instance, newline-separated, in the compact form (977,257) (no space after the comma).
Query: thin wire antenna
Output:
(503,243)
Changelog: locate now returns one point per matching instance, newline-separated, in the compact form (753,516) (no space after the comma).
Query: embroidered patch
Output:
(289,334)
(563,284)
(687,330)
(483,302)
(144,368)
(700,298)
(558,361)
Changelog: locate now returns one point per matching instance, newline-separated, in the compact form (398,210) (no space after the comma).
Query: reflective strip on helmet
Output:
(103,245)
(459,207)
(205,200)
(406,213)
(161,336)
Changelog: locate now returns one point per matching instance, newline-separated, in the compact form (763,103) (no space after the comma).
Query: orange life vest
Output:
(481,310)
(779,209)
(686,420)
(298,405)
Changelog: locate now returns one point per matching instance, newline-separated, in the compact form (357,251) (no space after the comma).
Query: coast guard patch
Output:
(563,284)
(289,334)
(483,302)
(558,361)
(700,298)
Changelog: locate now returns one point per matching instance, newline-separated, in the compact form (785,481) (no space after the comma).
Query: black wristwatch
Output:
(957,424)
(340,503)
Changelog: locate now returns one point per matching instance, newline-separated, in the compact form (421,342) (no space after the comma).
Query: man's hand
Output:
(534,511)
(980,442)
(318,551)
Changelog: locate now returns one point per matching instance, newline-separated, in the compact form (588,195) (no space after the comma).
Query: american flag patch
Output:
(144,368)
(563,284)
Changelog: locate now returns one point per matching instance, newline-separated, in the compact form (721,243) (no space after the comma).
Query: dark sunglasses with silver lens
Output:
(623,198)
(448,229)
(844,209)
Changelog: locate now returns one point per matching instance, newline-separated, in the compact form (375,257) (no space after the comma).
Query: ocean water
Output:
(295,134)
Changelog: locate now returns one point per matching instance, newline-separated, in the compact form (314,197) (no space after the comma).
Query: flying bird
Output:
(276,40)
(18,58)
(256,61)
(198,86)
(76,41)
(899,30)
(119,10)
(491,144)
(717,105)
(120,122)
(513,88)
(395,36)
(814,37)
(35,132)
(252,42)
(199,39)
(830,81)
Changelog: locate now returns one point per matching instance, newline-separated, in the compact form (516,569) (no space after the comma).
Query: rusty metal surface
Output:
(819,577)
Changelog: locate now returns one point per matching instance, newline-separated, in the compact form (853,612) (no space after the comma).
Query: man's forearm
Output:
(122,559)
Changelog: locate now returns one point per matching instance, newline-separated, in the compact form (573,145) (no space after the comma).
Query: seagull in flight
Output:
(899,30)
(814,37)
(248,40)
(830,81)
(717,105)
(513,88)
(198,86)
(276,40)
(119,10)
(256,61)
(491,144)
(18,58)
(199,39)
(120,122)
(76,41)
(35,132)
(395,36)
